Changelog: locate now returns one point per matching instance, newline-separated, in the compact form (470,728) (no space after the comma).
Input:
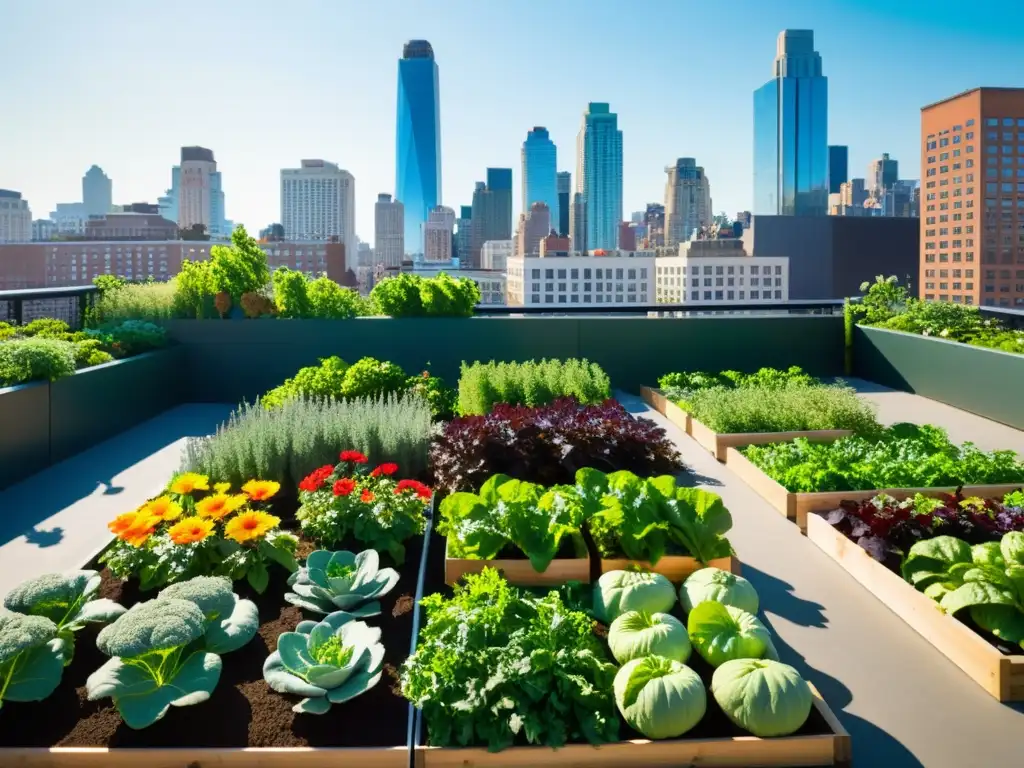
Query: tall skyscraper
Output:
(790,131)
(838,167)
(882,175)
(540,173)
(15,218)
(492,211)
(318,202)
(564,203)
(195,204)
(654,218)
(534,226)
(687,200)
(578,223)
(168,203)
(437,235)
(97,192)
(599,175)
(219,225)
(418,139)
(464,234)
(388,231)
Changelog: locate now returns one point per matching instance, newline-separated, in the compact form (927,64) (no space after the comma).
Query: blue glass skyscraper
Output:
(790,131)
(540,173)
(599,177)
(418,140)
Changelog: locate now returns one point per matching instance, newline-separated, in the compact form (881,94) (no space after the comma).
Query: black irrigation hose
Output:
(415,727)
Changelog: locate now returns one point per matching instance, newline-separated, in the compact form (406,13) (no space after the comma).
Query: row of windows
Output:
(956,273)
(561,298)
(597,287)
(694,270)
(695,282)
(600,274)
(728,295)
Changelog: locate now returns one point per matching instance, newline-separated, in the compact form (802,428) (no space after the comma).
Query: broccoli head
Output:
(20,633)
(52,595)
(212,594)
(155,625)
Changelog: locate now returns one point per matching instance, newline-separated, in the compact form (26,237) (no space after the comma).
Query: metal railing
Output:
(1011,318)
(68,304)
(818,307)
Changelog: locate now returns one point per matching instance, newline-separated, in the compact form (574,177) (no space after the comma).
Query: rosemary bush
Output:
(287,443)
(135,301)
(484,385)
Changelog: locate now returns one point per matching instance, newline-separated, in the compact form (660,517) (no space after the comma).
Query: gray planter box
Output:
(24,431)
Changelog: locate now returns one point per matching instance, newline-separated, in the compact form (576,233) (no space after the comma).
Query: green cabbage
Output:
(721,633)
(634,634)
(659,697)
(621,591)
(765,697)
(718,586)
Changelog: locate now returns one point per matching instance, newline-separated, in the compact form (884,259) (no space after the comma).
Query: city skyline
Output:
(483,127)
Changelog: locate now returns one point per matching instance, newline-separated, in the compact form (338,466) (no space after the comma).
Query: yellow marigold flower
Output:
(190,530)
(250,525)
(140,529)
(164,508)
(261,490)
(221,505)
(221,487)
(122,523)
(188,482)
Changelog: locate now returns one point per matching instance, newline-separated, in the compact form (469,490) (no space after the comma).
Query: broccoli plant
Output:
(328,662)
(68,600)
(341,580)
(32,657)
(166,652)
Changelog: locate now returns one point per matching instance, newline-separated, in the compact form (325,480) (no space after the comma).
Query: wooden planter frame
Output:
(673,567)
(735,752)
(521,572)
(797,506)
(718,443)
(206,757)
(1000,675)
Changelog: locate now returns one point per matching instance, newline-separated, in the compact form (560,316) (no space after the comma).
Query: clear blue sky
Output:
(265,83)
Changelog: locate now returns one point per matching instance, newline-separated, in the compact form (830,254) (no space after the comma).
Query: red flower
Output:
(413,485)
(354,456)
(367,496)
(314,481)
(344,487)
(384,469)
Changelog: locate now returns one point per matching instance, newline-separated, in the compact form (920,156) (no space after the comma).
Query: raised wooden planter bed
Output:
(673,567)
(831,748)
(1001,675)
(668,409)
(521,572)
(284,757)
(796,506)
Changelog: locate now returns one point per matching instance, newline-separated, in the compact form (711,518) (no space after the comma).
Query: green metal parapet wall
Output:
(230,361)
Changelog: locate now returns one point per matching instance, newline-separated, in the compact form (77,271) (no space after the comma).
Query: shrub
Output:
(324,380)
(7,331)
(290,294)
(408,295)
(240,268)
(547,444)
(133,301)
(32,359)
(130,337)
(88,353)
(46,328)
(287,443)
(398,296)
(484,385)
(679,387)
(330,301)
(193,294)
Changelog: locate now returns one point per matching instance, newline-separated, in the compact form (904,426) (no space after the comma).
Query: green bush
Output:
(330,301)
(7,331)
(290,293)
(134,301)
(88,352)
(484,385)
(680,387)
(324,380)
(33,359)
(46,328)
(408,295)
(130,337)
(369,377)
(193,294)
(240,268)
(287,443)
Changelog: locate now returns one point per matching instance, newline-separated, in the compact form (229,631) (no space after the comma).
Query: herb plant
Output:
(497,666)
(332,581)
(902,456)
(548,444)
(484,385)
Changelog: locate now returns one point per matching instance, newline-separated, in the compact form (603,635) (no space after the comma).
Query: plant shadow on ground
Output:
(871,745)
(691,477)
(44,538)
(780,596)
(30,504)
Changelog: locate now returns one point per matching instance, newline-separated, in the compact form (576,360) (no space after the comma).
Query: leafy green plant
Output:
(324,380)
(398,296)
(720,633)
(88,353)
(619,592)
(660,698)
(762,696)
(287,443)
(32,657)
(511,512)
(35,359)
(901,456)
(133,301)
(719,586)
(345,581)
(330,301)
(635,634)
(327,662)
(496,665)
(193,290)
(130,337)
(484,385)
(409,295)
(7,331)
(290,293)
(241,268)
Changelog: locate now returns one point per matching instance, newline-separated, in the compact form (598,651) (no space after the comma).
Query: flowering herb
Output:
(369,505)
(192,530)
(548,444)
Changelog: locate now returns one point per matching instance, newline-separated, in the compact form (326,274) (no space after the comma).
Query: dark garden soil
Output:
(243,711)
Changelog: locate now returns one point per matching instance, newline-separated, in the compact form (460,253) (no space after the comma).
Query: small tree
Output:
(882,300)
(240,268)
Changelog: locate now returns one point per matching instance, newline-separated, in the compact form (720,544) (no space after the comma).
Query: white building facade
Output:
(15,218)
(494,254)
(491,284)
(617,277)
(318,202)
(687,200)
(388,232)
(438,235)
(710,272)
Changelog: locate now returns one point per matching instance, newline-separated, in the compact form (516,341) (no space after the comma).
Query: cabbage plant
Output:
(720,633)
(718,586)
(332,581)
(620,591)
(327,662)
(32,657)
(659,697)
(635,634)
(767,698)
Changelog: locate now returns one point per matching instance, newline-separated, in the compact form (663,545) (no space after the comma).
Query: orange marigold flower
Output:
(221,487)
(250,525)
(261,490)
(367,496)
(163,508)
(188,482)
(220,505)
(190,530)
(140,530)
(122,523)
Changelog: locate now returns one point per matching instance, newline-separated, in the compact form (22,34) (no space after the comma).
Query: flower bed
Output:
(905,460)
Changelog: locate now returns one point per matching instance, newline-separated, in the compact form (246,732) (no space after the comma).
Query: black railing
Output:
(1011,318)
(818,307)
(68,304)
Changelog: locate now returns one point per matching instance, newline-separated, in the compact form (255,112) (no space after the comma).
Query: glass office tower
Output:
(540,173)
(418,144)
(838,167)
(790,132)
(599,176)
